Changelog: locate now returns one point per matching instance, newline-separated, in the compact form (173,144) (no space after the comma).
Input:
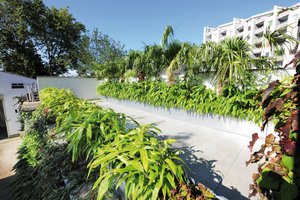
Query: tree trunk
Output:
(141,76)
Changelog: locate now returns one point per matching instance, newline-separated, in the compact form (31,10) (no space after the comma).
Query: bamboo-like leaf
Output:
(137,165)
(144,158)
(89,133)
(171,180)
(171,165)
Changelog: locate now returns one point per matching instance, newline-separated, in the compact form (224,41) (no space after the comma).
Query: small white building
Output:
(11,86)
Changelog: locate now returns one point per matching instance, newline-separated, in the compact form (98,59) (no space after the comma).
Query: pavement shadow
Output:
(202,170)
(4,190)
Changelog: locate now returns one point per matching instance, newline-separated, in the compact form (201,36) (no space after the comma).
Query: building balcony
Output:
(258,40)
(284,14)
(256,50)
(261,20)
(282,25)
(239,34)
(240,26)
(259,30)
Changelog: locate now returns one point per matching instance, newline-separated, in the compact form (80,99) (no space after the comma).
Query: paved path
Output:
(8,158)
(217,158)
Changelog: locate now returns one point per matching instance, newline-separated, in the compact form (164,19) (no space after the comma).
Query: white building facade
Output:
(11,86)
(252,29)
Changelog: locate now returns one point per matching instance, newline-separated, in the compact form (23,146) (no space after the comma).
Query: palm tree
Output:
(189,58)
(274,39)
(113,70)
(167,36)
(231,61)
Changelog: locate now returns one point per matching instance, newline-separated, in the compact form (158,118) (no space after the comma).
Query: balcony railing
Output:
(259,30)
(239,34)
(281,25)
(256,50)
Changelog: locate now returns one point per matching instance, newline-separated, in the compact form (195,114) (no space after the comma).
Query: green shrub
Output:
(232,102)
(67,133)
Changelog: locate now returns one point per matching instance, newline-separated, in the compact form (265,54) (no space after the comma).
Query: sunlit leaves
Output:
(189,96)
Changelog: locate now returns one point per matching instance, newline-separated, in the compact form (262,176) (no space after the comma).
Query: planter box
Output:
(229,124)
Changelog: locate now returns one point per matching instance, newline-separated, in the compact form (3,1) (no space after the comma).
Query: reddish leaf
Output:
(173,191)
(289,146)
(254,192)
(276,168)
(254,139)
(256,156)
(286,129)
(270,88)
(270,138)
(274,159)
(295,120)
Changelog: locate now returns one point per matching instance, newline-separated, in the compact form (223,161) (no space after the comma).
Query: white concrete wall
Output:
(7,94)
(229,124)
(82,87)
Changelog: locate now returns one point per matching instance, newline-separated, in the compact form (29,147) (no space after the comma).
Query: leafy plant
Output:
(69,134)
(146,165)
(278,175)
(232,102)
(192,192)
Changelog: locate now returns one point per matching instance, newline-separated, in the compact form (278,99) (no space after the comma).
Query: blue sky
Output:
(134,22)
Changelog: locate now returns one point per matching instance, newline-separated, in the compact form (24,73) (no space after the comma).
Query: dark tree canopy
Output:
(37,40)
(98,53)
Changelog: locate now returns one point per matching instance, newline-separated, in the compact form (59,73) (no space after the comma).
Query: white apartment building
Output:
(252,29)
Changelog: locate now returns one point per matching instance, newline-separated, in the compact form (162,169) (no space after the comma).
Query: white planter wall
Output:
(82,87)
(237,126)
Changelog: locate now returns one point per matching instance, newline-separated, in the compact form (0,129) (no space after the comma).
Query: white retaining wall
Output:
(82,87)
(229,124)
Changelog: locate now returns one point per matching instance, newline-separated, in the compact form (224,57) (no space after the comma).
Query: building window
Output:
(257,55)
(223,33)
(17,85)
(270,24)
(268,54)
(295,17)
(260,25)
(249,28)
(209,37)
(258,45)
(283,19)
(279,63)
(259,35)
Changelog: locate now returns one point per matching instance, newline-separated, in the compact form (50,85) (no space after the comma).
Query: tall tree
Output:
(18,52)
(37,40)
(99,49)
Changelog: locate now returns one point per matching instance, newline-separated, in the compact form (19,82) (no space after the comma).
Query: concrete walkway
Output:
(217,158)
(8,158)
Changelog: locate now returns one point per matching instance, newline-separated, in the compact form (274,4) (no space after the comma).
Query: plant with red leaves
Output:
(278,174)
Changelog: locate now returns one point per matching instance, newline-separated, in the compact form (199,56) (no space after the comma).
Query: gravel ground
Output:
(8,158)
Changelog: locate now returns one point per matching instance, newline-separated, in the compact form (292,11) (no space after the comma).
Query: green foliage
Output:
(37,40)
(101,56)
(231,60)
(68,134)
(147,165)
(188,96)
